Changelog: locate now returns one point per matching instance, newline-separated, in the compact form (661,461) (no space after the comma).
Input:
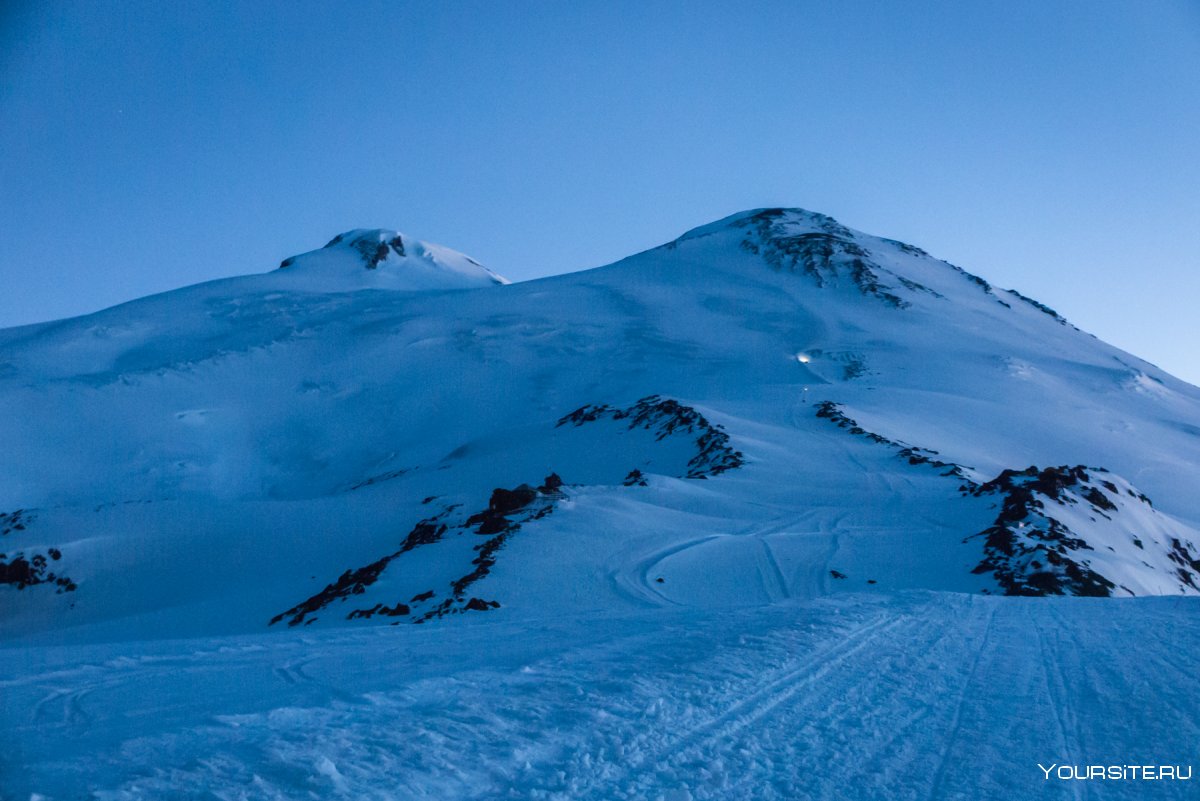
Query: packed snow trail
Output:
(912,696)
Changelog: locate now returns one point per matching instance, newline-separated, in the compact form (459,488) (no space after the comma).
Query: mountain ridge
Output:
(293,431)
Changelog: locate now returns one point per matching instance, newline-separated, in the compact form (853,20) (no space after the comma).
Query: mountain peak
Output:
(374,245)
(793,240)
(792,220)
(818,247)
(387,259)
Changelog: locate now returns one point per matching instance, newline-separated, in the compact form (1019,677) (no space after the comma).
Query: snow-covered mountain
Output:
(383,259)
(770,406)
(719,521)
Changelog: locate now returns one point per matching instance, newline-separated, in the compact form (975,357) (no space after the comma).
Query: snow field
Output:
(910,696)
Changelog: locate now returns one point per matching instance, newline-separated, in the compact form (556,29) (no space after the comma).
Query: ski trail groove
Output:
(780,689)
(71,712)
(1058,698)
(772,564)
(939,775)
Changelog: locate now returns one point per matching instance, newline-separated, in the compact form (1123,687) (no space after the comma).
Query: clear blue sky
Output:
(1053,147)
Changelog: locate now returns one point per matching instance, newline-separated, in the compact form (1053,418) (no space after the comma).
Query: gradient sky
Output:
(1052,147)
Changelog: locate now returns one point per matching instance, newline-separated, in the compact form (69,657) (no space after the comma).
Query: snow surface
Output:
(899,696)
(757,564)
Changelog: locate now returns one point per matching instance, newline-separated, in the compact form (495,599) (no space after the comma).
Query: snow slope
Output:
(916,696)
(773,427)
(290,433)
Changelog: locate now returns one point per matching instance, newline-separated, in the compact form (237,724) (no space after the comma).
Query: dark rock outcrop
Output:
(1026,549)
(507,510)
(665,417)
(825,255)
(828,410)
(14,521)
(24,571)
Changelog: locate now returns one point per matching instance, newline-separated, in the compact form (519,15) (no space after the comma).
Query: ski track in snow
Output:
(920,696)
(956,723)
(772,574)
(1060,701)
(725,729)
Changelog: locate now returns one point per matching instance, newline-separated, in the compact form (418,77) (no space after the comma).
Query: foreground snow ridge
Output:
(729,518)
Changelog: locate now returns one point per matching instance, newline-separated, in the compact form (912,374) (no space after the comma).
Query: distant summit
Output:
(386,259)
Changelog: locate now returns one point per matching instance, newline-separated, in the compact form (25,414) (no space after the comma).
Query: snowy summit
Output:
(380,258)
